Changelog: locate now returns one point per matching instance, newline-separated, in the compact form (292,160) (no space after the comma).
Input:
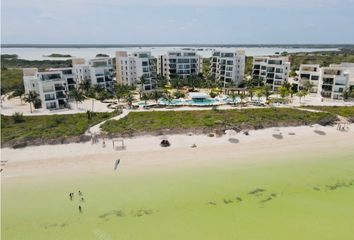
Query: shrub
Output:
(18,117)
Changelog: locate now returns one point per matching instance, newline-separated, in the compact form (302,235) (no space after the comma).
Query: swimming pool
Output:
(193,102)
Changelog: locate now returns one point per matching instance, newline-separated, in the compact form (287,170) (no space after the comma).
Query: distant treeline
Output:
(12,61)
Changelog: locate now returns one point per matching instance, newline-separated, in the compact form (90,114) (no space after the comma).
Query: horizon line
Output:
(107,45)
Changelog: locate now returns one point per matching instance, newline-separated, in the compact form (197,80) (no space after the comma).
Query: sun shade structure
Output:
(118,143)
(198,95)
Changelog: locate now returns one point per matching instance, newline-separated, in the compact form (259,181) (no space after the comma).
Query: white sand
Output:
(145,152)
(10,106)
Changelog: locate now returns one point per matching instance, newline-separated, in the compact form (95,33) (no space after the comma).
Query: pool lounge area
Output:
(199,100)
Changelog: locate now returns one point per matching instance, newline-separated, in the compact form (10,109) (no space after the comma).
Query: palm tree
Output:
(283,91)
(242,96)
(168,97)
(348,93)
(18,92)
(142,82)
(145,97)
(32,97)
(120,91)
(251,91)
(129,98)
(260,93)
(176,82)
(307,85)
(78,95)
(301,94)
(233,96)
(267,91)
(156,95)
(161,81)
(85,85)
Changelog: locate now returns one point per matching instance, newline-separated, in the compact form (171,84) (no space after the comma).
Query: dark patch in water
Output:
(239,199)
(212,203)
(142,212)
(117,213)
(266,200)
(258,190)
(226,201)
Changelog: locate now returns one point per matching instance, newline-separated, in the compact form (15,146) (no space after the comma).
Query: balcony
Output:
(46,90)
(59,88)
(327,88)
(257,67)
(340,84)
(60,95)
(49,98)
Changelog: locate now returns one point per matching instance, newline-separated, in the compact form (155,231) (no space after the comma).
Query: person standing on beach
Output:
(116,164)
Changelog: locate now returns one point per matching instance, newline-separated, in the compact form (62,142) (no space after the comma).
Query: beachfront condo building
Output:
(336,79)
(274,71)
(310,73)
(97,71)
(179,64)
(68,75)
(228,67)
(51,86)
(136,68)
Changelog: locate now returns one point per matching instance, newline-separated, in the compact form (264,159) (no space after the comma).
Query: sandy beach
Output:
(145,151)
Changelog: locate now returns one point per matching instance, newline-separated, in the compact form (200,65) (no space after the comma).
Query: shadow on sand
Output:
(278,136)
(234,140)
(319,132)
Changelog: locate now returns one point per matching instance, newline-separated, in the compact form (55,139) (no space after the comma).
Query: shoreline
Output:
(146,151)
(85,138)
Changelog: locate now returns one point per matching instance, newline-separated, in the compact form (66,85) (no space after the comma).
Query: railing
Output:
(59,88)
(60,95)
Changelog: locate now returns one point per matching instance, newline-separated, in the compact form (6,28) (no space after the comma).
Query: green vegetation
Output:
(321,58)
(249,65)
(214,119)
(347,112)
(58,55)
(285,195)
(102,55)
(12,61)
(20,128)
(11,79)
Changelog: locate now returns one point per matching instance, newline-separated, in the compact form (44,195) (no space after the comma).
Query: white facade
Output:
(228,67)
(98,71)
(179,64)
(51,87)
(311,73)
(68,75)
(131,68)
(335,80)
(274,71)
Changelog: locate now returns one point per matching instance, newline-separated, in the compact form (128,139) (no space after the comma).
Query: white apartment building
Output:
(228,67)
(311,73)
(98,71)
(51,87)
(179,64)
(274,71)
(68,76)
(336,79)
(130,68)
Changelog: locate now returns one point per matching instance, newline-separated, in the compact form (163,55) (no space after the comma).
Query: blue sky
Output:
(177,21)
